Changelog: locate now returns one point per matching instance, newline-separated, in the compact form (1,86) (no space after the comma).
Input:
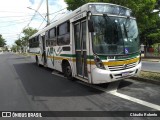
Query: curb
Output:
(146,80)
(151,59)
(158,72)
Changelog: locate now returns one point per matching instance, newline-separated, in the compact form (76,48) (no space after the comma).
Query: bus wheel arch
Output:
(66,69)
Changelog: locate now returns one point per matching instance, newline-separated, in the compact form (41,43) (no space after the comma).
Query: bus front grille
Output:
(122,67)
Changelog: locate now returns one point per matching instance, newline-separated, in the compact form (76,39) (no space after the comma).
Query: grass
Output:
(150,75)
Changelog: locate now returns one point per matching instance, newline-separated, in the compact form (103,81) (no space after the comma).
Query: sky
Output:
(15,16)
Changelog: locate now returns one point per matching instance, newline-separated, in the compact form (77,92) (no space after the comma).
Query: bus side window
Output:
(63,34)
(52,37)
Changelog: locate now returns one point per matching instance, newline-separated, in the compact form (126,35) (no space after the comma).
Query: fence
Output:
(150,52)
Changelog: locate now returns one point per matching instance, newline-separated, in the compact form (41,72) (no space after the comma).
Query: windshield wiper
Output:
(125,31)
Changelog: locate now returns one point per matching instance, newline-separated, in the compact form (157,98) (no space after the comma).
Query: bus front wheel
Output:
(68,71)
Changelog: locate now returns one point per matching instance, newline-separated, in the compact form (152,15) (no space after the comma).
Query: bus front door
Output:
(43,50)
(80,49)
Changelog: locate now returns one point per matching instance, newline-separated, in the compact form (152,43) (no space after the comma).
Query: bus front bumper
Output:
(105,76)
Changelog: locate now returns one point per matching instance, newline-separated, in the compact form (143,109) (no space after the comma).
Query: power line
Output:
(32,15)
(41,23)
(14,16)
(9,33)
(10,36)
(57,11)
(43,20)
(14,24)
(35,13)
(18,16)
(28,20)
(15,20)
(12,12)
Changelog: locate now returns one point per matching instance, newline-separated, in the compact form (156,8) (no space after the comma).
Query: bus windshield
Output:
(114,35)
(109,9)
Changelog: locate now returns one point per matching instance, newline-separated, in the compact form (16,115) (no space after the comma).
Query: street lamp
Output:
(37,12)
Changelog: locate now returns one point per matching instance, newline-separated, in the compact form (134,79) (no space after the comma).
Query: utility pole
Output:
(48,21)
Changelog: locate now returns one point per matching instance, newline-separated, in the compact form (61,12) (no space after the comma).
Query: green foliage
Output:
(14,48)
(2,41)
(156,48)
(142,10)
(27,33)
(24,40)
(73,4)
(18,42)
(155,36)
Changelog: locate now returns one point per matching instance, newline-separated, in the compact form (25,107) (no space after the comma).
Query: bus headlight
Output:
(98,62)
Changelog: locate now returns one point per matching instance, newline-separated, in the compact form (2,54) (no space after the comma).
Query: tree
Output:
(154,36)
(74,4)
(23,42)
(2,41)
(18,42)
(14,48)
(27,33)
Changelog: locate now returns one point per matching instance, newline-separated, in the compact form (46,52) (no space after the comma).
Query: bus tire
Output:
(68,71)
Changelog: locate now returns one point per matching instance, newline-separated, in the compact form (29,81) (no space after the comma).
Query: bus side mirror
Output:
(90,26)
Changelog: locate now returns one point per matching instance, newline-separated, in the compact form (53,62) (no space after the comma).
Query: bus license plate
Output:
(125,74)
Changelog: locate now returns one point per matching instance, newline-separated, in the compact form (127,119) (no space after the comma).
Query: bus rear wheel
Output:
(68,71)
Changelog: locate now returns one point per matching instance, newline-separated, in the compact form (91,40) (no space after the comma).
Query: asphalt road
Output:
(27,87)
(151,66)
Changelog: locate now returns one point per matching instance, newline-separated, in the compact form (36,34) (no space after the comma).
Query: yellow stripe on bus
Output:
(91,62)
(116,63)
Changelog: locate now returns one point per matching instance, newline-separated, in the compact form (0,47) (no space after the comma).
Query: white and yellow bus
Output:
(96,43)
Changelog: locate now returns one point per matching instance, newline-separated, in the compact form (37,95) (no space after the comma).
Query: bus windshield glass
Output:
(114,35)
(109,9)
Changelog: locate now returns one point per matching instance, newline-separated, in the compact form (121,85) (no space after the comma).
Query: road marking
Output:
(112,89)
(147,104)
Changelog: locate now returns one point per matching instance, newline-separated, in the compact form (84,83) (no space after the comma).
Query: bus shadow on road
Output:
(124,83)
(39,81)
